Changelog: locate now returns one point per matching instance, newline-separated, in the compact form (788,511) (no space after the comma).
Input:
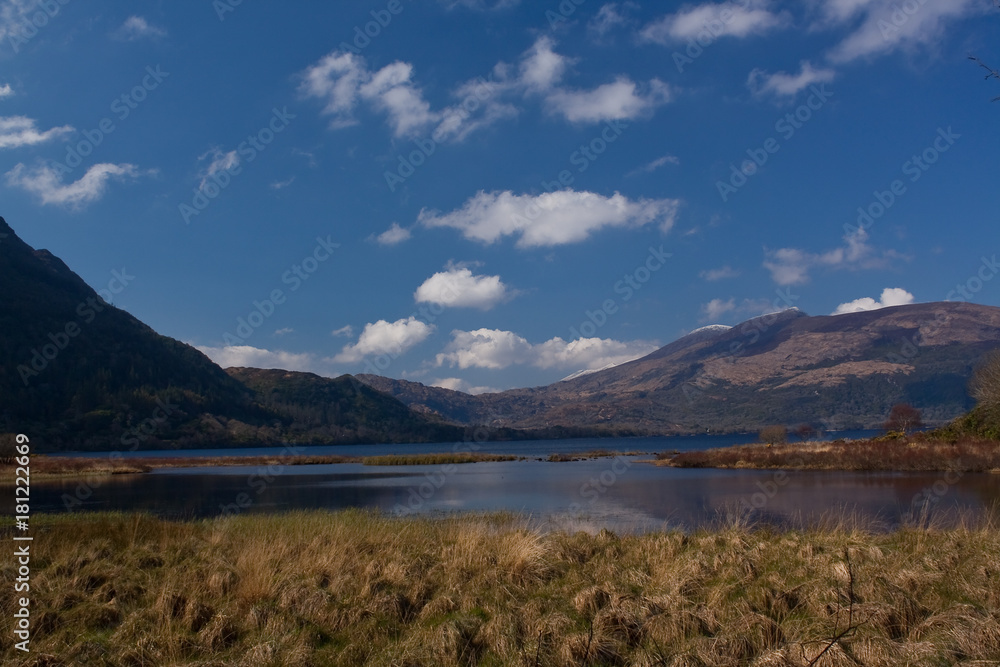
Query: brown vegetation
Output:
(354,588)
(918,452)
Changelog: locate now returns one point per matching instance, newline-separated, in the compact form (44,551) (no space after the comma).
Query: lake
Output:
(623,494)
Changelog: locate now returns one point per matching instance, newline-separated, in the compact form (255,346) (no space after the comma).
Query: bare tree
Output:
(903,417)
(985,384)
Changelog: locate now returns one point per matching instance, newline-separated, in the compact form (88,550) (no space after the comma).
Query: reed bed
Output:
(355,588)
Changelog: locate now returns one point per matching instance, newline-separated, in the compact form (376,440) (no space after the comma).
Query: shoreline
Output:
(45,467)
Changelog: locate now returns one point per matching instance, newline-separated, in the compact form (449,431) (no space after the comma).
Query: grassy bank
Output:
(353,588)
(47,467)
(913,453)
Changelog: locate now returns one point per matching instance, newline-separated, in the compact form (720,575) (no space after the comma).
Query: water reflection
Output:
(624,494)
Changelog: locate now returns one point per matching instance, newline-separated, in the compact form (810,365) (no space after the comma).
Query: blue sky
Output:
(481,194)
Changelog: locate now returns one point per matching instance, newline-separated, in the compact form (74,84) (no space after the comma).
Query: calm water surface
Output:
(625,493)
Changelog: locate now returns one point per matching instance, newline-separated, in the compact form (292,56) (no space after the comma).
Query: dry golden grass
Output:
(353,588)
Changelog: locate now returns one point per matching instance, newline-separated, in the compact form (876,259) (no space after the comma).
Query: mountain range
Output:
(78,373)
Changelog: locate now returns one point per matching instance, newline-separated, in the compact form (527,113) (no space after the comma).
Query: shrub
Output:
(773,435)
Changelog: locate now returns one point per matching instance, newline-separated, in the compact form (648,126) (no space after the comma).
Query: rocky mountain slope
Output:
(843,371)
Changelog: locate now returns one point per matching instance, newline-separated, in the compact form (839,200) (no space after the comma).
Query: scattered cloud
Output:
(610,17)
(136,27)
(17,131)
(281,185)
(716,309)
(621,100)
(652,166)
(394,235)
(782,84)
(382,337)
(884,26)
(6,91)
(457,287)
(343,81)
(726,19)
(219,162)
(891,296)
(549,219)
(497,349)
(792,266)
(711,275)
(458,384)
(45,182)
(346,331)
(245,356)
(282,332)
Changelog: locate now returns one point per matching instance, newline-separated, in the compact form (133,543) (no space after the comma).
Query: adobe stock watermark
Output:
(786,126)
(566,8)
(86,312)
(259,481)
(595,487)
(923,503)
(132,438)
(768,490)
(381,18)
(711,29)
(899,17)
(408,164)
(988,269)
(586,155)
(752,331)
(122,107)
(427,314)
(295,277)
(433,481)
(25,30)
(914,168)
(627,287)
(248,150)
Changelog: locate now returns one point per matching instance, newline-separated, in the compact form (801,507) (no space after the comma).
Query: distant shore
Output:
(57,467)
(918,453)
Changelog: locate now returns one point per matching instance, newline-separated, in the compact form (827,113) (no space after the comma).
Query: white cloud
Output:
(136,27)
(245,356)
(620,100)
(458,384)
(782,84)
(711,275)
(6,91)
(382,337)
(497,349)
(17,131)
(395,234)
(219,162)
(541,67)
(343,80)
(46,183)
(281,185)
(884,26)
(459,288)
(549,219)
(652,166)
(347,331)
(792,266)
(726,19)
(610,17)
(717,308)
(284,331)
(891,296)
